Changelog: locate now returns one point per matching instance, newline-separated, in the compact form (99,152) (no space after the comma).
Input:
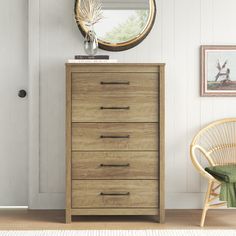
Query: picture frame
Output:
(218,71)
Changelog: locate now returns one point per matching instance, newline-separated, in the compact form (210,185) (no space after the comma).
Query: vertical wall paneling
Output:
(193,12)
(168,45)
(180,28)
(206,37)
(224,33)
(180,95)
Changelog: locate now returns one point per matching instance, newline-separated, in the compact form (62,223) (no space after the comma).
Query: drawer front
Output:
(115,165)
(114,136)
(115,109)
(114,193)
(114,97)
(94,85)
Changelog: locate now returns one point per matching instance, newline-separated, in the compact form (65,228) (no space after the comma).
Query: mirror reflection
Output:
(123,20)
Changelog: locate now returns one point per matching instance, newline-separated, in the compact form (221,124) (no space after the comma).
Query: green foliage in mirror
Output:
(129,29)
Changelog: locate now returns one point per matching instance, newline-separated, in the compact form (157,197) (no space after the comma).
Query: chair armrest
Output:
(198,165)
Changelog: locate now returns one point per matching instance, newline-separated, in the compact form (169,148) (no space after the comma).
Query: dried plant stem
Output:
(88,11)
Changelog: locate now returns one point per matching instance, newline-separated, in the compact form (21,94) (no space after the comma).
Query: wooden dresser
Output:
(115,140)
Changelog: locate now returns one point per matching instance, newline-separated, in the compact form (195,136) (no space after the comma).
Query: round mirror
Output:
(124,25)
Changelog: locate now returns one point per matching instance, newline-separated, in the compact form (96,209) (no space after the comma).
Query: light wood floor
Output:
(54,220)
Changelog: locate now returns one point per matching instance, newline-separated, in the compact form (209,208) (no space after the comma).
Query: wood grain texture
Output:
(102,85)
(87,136)
(116,211)
(96,165)
(136,91)
(115,68)
(68,145)
(87,194)
(115,109)
(162,145)
(115,160)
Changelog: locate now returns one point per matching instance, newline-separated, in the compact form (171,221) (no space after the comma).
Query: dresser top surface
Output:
(114,64)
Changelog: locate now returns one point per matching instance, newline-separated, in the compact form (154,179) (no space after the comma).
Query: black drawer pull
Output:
(115,165)
(114,108)
(115,194)
(111,136)
(115,83)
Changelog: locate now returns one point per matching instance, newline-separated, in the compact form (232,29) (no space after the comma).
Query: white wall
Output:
(181,27)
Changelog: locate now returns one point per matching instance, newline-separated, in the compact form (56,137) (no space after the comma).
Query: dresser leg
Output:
(68,217)
(161,218)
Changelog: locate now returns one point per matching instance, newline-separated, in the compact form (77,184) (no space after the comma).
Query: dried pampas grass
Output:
(88,11)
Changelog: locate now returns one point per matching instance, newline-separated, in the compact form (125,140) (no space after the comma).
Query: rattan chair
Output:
(215,143)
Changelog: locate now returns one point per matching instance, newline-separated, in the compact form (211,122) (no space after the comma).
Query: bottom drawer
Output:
(114,194)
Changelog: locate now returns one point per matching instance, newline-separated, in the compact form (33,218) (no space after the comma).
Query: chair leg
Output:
(206,203)
(203,216)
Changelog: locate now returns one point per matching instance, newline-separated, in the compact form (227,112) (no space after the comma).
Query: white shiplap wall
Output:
(181,27)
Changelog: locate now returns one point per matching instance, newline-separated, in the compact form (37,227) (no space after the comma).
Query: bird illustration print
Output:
(224,72)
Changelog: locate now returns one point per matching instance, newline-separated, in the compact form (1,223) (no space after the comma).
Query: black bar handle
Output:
(115,83)
(111,136)
(115,165)
(115,194)
(114,108)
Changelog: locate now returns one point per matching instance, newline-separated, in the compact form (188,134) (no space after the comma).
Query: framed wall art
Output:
(218,71)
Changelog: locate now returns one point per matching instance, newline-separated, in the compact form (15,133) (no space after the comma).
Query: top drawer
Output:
(115,97)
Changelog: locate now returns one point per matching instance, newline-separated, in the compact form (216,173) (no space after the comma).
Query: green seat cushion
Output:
(226,174)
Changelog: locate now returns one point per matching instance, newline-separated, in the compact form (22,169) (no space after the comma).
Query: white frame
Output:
(204,92)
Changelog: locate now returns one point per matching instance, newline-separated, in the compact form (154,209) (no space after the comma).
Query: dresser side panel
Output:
(68,144)
(162,144)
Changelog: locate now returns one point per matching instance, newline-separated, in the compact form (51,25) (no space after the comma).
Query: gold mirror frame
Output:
(128,44)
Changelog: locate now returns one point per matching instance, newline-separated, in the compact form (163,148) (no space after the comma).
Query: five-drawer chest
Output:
(115,139)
